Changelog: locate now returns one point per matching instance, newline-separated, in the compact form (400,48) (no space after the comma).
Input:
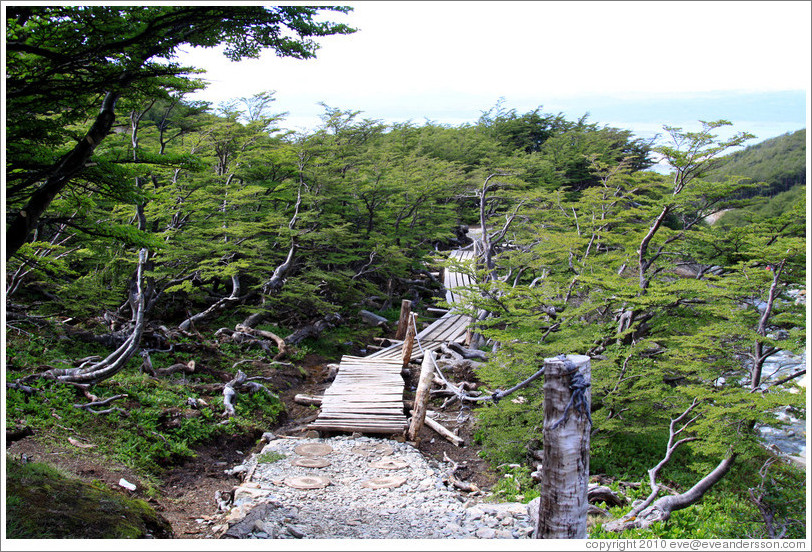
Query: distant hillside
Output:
(779,162)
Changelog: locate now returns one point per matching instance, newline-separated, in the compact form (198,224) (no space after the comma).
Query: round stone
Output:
(391,464)
(369,450)
(383,482)
(307,482)
(310,462)
(313,449)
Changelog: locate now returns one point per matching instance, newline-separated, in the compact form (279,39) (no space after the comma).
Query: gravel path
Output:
(359,488)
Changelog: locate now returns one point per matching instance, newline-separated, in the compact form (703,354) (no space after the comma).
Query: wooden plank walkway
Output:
(367,393)
(366,396)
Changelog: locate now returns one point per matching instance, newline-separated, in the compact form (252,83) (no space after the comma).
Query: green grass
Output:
(44,503)
(157,429)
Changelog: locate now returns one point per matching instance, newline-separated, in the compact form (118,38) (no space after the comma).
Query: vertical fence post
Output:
(405,318)
(408,342)
(565,465)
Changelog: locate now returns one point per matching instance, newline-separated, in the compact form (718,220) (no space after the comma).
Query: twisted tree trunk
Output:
(115,362)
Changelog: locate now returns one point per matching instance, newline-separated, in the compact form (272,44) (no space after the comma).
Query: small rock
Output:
(533,511)
(474,513)
(485,533)
(295,532)
(236,470)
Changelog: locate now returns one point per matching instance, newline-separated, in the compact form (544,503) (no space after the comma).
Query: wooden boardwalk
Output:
(367,393)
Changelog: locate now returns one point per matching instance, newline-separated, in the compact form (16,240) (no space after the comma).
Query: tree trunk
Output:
(565,469)
(68,168)
(114,362)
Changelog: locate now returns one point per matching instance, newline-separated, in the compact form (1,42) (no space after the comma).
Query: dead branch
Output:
(230,393)
(650,510)
(242,382)
(280,343)
(218,306)
(307,400)
(461,485)
(187,368)
(440,429)
(104,402)
(28,390)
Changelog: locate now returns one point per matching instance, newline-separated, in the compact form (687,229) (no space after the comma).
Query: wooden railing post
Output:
(565,465)
(405,318)
(421,398)
(408,342)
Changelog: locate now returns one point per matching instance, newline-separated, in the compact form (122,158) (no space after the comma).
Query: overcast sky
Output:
(635,65)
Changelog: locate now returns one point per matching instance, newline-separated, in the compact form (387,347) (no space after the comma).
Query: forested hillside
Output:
(166,256)
(777,163)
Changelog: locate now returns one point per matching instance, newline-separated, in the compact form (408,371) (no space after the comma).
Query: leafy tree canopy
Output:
(68,67)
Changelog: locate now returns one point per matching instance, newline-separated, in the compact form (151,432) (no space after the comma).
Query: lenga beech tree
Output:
(68,66)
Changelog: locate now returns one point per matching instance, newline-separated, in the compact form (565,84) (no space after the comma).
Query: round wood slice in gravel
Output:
(307,482)
(383,482)
(390,464)
(313,449)
(310,462)
(372,450)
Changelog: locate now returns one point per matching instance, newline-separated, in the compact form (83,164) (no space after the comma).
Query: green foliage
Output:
(597,257)
(156,429)
(717,516)
(515,485)
(604,274)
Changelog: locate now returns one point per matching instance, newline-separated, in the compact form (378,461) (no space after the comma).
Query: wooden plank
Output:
(369,423)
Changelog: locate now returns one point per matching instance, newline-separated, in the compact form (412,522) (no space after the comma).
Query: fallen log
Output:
(442,430)
(373,319)
(601,493)
(468,353)
(17,434)
(313,330)
(307,400)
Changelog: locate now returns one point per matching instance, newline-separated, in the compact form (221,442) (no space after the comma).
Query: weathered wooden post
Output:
(405,319)
(408,342)
(565,465)
(421,398)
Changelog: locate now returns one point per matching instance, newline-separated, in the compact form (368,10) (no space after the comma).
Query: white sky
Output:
(449,61)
